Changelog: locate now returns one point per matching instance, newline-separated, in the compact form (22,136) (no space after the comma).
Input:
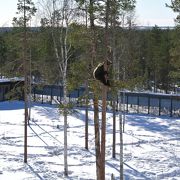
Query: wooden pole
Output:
(121,138)
(159,106)
(114,129)
(86,115)
(103,132)
(171,108)
(104,97)
(25,86)
(97,138)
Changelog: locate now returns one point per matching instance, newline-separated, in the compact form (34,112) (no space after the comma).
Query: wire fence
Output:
(133,102)
(136,102)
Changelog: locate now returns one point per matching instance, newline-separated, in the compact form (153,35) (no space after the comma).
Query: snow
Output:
(151,146)
(4,79)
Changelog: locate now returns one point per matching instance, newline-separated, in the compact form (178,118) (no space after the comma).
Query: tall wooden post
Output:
(95,99)
(65,126)
(103,132)
(97,138)
(114,129)
(121,138)
(86,119)
(104,98)
(171,107)
(25,85)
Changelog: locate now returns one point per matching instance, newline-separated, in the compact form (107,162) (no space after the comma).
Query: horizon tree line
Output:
(74,37)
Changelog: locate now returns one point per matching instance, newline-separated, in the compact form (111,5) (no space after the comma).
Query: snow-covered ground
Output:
(151,146)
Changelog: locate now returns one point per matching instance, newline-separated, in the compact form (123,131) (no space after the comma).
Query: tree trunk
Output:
(65,127)
(114,129)
(95,100)
(103,132)
(104,98)
(121,138)
(86,121)
(115,65)
(25,86)
(97,138)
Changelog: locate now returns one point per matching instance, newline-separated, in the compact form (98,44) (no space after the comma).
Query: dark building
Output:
(11,89)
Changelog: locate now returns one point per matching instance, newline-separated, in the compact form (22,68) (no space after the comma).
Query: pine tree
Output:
(175,6)
(27,9)
(174,73)
(3,54)
(175,55)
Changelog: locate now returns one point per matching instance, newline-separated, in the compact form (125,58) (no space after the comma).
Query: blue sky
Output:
(148,12)
(154,12)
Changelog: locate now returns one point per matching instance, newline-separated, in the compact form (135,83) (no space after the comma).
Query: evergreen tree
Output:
(175,55)
(175,6)
(26,9)
(3,55)
(164,61)
(174,73)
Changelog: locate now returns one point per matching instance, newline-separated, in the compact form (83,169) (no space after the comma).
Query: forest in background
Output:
(74,37)
(144,59)
(146,55)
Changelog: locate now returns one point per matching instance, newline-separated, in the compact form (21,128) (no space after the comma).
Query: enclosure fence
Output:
(137,102)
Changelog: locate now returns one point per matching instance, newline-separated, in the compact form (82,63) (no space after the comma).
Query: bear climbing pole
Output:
(104,97)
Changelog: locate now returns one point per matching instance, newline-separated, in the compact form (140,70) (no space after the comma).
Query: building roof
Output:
(15,79)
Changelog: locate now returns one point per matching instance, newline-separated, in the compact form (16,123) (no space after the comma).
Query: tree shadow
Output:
(35,172)
(11,105)
(151,123)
